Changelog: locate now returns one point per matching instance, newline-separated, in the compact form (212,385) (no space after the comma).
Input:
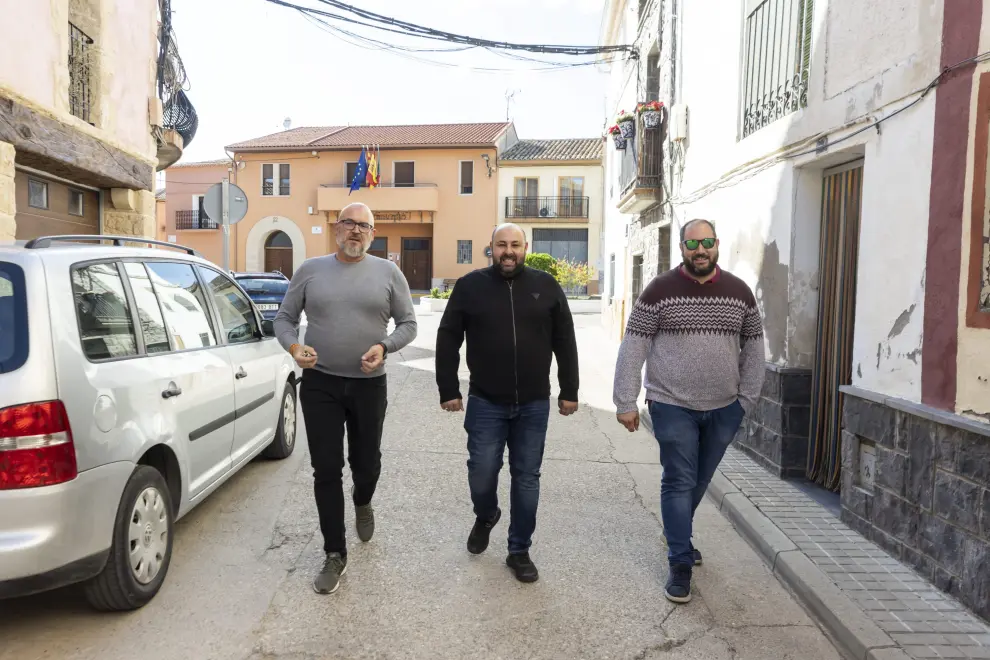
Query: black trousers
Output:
(330,404)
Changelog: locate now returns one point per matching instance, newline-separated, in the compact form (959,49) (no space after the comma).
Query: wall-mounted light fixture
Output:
(488,164)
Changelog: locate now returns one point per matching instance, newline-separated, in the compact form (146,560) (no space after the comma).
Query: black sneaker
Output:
(478,540)
(696,555)
(523,567)
(678,589)
(364,520)
(334,567)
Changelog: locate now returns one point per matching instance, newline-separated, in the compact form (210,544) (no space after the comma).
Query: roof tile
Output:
(353,137)
(570,149)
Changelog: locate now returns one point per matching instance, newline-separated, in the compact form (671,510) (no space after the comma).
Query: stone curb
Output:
(856,635)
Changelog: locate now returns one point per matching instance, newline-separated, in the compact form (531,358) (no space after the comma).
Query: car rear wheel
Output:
(142,545)
(285,435)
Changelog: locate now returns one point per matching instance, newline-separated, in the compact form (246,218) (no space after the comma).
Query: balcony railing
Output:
(547,207)
(194,220)
(79,73)
(641,170)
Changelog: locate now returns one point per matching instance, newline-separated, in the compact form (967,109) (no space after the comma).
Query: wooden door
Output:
(416,262)
(278,259)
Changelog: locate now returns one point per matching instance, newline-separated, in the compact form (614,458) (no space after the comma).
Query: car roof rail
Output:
(46,241)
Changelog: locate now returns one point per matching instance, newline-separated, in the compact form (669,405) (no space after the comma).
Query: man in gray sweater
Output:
(348,298)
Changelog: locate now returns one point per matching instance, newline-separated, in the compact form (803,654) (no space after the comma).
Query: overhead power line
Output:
(396,26)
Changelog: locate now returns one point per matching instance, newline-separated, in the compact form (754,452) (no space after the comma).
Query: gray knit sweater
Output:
(702,344)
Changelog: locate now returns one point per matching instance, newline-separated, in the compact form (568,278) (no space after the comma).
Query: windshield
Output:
(13,318)
(264,286)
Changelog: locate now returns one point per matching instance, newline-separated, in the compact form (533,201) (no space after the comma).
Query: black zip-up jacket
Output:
(514,327)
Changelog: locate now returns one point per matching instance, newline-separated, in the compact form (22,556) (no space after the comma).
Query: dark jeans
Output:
(523,428)
(329,404)
(692,444)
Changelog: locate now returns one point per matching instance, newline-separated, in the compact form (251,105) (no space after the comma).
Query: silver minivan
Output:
(134,381)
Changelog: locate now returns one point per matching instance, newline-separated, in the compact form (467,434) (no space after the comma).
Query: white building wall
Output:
(867,57)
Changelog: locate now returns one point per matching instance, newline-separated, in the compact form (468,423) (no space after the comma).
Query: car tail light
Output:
(36,446)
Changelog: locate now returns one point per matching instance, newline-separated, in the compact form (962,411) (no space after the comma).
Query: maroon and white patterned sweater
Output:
(702,344)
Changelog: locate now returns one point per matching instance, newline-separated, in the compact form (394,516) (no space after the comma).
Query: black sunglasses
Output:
(693,243)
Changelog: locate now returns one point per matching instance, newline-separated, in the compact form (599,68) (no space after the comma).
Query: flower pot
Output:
(651,118)
(628,128)
(620,142)
(438,304)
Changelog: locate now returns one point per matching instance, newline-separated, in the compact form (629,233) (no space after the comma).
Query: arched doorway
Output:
(278,253)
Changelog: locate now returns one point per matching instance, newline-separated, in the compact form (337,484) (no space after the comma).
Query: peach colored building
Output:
(185,221)
(434,210)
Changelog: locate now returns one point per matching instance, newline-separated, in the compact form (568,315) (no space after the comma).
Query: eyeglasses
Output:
(349,225)
(693,243)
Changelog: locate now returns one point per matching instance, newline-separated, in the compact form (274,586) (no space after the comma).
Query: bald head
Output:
(509,248)
(357,212)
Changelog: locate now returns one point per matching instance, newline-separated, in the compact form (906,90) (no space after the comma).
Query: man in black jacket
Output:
(516,319)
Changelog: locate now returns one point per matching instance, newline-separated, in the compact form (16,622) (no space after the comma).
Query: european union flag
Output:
(362,171)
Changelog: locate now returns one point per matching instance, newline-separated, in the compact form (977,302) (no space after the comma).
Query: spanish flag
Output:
(373,178)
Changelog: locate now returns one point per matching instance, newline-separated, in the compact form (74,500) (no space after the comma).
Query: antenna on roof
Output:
(287,122)
(509,95)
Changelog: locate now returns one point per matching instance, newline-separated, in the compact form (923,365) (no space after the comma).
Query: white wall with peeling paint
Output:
(768,209)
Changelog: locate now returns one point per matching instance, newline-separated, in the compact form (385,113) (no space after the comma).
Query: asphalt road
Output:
(239,583)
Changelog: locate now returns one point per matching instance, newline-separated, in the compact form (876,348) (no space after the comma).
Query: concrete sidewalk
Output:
(874,606)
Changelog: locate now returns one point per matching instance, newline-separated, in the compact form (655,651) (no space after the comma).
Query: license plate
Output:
(268,308)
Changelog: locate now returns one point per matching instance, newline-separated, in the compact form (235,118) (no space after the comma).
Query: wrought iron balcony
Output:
(549,208)
(641,169)
(194,220)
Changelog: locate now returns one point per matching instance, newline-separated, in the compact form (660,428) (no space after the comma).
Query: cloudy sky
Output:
(252,63)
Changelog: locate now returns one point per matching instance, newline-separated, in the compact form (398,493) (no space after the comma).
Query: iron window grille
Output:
(80,71)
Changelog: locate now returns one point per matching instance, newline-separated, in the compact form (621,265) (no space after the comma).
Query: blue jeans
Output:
(490,427)
(692,444)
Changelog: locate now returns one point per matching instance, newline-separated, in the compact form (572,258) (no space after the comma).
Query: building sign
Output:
(393,257)
(391,216)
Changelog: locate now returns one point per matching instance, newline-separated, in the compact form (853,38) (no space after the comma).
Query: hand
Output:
(454,405)
(630,420)
(372,359)
(567,407)
(305,356)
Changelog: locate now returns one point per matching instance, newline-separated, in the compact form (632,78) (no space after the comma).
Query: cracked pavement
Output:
(239,584)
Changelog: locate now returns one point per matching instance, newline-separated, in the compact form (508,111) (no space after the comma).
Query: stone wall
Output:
(7,194)
(917,482)
(775,434)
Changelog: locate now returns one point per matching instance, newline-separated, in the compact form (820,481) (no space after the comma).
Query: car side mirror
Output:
(268,328)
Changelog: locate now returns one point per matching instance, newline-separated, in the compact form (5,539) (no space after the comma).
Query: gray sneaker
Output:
(328,581)
(364,520)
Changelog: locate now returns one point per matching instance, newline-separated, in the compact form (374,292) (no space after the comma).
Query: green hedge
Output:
(543,262)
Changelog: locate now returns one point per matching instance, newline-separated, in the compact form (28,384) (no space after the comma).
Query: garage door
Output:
(46,207)
(570,244)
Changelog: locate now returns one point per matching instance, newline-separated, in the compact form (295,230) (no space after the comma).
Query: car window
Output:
(263,286)
(184,304)
(236,315)
(13,318)
(105,325)
(152,323)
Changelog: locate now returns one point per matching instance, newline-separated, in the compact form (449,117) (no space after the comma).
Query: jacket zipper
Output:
(515,349)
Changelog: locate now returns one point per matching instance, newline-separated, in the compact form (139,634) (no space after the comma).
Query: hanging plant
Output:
(617,137)
(650,112)
(626,121)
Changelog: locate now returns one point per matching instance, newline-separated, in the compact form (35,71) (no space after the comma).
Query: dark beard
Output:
(520,264)
(701,272)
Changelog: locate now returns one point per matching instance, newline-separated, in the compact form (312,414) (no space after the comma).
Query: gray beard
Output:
(351,251)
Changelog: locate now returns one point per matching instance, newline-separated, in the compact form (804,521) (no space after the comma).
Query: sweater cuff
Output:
(568,395)
(622,409)
(450,396)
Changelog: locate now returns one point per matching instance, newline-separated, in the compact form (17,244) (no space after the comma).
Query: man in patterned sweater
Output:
(699,331)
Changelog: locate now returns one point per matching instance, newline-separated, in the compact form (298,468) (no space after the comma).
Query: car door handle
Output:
(173,390)
(240,373)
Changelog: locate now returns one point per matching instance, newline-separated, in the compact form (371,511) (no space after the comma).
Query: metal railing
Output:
(80,72)
(547,207)
(194,220)
(389,184)
(777,62)
(642,160)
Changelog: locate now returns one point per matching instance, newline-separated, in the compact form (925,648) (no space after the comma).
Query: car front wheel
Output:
(142,545)
(285,434)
